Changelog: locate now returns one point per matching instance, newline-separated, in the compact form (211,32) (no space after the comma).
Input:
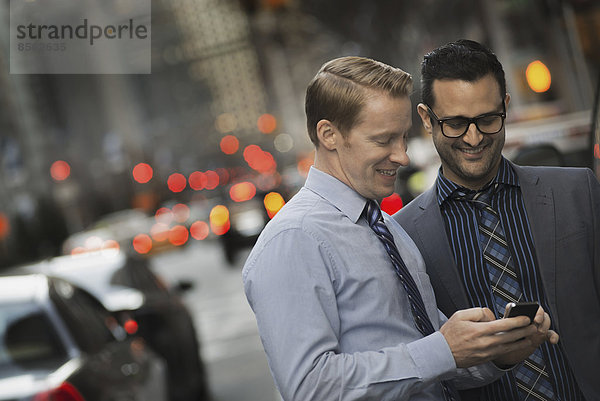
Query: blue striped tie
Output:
(533,379)
(421,319)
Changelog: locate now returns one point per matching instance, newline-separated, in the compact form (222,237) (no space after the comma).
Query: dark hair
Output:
(338,92)
(463,59)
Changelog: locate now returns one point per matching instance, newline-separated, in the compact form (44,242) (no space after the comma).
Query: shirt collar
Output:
(505,175)
(344,198)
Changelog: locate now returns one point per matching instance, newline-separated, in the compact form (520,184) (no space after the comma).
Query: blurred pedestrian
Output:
(344,308)
(493,232)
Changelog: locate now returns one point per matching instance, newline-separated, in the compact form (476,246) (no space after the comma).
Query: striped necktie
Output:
(532,376)
(417,306)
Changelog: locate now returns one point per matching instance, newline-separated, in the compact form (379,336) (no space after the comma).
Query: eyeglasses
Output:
(455,127)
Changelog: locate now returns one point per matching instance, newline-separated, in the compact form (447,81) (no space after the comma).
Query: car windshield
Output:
(27,339)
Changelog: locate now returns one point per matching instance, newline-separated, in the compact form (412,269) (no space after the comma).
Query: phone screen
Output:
(528,309)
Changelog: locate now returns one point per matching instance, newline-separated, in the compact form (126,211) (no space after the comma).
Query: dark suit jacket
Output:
(563,206)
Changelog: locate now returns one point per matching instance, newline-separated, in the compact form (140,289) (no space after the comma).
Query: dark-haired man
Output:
(492,232)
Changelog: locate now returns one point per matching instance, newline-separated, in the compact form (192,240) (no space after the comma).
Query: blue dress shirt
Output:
(333,317)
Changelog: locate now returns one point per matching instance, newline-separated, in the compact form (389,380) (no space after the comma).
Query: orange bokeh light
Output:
(60,170)
(273,202)
(242,191)
(178,235)
(538,76)
(266,123)
(199,230)
(142,173)
(176,182)
(392,203)
(142,243)
(197,180)
(229,144)
(219,219)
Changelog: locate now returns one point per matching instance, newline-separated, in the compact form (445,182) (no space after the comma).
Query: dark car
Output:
(127,287)
(58,343)
(247,220)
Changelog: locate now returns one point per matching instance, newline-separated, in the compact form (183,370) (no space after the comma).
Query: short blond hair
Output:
(338,91)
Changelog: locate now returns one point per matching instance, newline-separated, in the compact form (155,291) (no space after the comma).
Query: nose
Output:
(399,155)
(473,137)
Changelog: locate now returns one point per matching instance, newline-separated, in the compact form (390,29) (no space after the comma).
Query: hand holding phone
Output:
(528,309)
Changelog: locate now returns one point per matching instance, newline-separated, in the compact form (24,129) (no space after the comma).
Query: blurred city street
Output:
(231,348)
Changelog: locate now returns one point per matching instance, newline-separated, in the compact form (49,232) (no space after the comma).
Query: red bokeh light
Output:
(597,151)
(197,180)
(142,243)
(130,326)
(4,226)
(259,160)
(229,144)
(392,203)
(199,230)
(212,179)
(142,173)
(178,235)
(60,170)
(242,191)
(266,123)
(176,182)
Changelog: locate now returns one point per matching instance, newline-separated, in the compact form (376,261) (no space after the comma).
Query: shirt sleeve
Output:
(290,283)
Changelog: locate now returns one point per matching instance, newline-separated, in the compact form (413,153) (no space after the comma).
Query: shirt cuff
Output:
(433,357)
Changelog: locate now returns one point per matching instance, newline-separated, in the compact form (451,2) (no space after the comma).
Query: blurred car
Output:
(118,230)
(247,219)
(56,343)
(127,287)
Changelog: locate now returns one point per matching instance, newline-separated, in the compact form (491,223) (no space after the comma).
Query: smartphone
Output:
(528,309)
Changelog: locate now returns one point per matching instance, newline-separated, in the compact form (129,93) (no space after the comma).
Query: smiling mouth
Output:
(387,173)
(472,151)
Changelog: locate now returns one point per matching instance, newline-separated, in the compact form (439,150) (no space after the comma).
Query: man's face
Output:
(471,160)
(375,147)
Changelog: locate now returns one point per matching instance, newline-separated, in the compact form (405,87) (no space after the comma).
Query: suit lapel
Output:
(539,203)
(436,250)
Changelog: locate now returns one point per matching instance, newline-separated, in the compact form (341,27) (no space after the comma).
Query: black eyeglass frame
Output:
(469,121)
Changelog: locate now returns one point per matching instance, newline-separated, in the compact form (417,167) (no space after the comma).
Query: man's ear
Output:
(425,117)
(506,100)
(328,134)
